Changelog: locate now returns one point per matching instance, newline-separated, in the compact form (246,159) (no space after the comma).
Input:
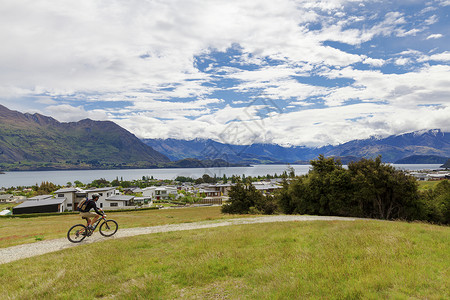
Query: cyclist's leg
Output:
(95,219)
(88,217)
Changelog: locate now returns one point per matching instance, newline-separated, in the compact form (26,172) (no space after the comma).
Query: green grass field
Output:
(427,185)
(295,260)
(15,231)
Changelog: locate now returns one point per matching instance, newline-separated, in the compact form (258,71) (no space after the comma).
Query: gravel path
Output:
(29,250)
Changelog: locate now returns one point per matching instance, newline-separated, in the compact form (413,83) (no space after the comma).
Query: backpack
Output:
(82,205)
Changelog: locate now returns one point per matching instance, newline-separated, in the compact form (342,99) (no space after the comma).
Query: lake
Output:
(28,178)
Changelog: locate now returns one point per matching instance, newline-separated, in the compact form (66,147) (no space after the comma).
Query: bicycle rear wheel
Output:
(108,228)
(77,233)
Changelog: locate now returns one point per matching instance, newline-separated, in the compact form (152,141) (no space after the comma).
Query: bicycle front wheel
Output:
(108,228)
(77,233)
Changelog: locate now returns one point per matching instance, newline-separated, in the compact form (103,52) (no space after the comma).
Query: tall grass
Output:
(296,260)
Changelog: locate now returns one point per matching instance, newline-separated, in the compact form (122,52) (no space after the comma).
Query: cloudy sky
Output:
(291,72)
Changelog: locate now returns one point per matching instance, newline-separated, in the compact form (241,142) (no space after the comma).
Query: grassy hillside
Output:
(333,260)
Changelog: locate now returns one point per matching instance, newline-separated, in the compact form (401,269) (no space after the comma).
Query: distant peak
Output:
(434,132)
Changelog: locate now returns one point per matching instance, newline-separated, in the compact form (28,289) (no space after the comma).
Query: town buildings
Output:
(67,199)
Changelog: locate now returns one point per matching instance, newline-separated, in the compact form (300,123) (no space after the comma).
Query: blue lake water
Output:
(29,178)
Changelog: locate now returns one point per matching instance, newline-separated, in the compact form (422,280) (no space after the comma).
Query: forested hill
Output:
(37,142)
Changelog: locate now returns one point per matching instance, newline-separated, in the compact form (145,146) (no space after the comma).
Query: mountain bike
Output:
(79,232)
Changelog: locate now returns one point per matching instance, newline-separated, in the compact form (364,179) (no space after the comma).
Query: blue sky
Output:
(286,72)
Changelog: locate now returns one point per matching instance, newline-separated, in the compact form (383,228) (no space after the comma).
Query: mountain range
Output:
(430,146)
(37,142)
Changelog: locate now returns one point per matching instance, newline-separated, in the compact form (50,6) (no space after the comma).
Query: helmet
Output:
(95,196)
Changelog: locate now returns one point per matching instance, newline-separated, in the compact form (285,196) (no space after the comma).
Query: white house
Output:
(6,198)
(164,192)
(147,201)
(149,192)
(160,192)
(266,187)
(104,193)
(73,196)
(118,201)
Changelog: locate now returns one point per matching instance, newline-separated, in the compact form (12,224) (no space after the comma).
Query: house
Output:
(224,188)
(39,197)
(266,187)
(212,195)
(104,193)
(149,192)
(165,192)
(41,204)
(118,201)
(6,198)
(160,192)
(132,190)
(439,176)
(147,201)
(420,176)
(73,196)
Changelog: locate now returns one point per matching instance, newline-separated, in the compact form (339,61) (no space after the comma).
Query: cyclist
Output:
(89,216)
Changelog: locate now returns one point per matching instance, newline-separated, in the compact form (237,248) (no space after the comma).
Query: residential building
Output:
(160,192)
(41,204)
(149,192)
(73,195)
(212,195)
(104,193)
(266,187)
(118,201)
(6,198)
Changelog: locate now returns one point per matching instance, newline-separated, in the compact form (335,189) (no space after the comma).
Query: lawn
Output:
(15,231)
(427,185)
(294,260)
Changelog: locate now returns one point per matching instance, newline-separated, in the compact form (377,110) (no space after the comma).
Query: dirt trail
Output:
(29,250)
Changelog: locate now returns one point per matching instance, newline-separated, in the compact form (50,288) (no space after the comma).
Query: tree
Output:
(102,182)
(437,203)
(78,183)
(45,188)
(290,172)
(115,182)
(384,192)
(323,165)
(368,188)
(244,198)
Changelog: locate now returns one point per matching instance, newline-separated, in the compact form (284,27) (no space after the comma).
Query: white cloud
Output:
(374,62)
(139,58)
(431,20)
(444,57)
(402,61)
(434,36)
(68,113)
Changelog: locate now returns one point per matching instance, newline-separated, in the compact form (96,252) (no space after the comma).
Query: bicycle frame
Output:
(97,223)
